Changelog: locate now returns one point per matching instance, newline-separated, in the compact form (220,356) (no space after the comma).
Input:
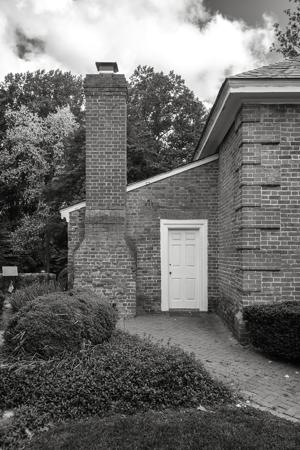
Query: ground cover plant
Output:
(58,322)
(275,328)
(123,375)
(225,428)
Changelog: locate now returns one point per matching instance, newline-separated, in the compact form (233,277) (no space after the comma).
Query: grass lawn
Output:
(226,428)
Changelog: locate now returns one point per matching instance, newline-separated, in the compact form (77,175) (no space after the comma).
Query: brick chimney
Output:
(104,261)
(106,95)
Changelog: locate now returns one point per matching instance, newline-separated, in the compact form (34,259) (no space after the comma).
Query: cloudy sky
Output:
(202,40)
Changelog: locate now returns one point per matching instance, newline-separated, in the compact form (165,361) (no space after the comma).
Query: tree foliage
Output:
(165,120)
(45,93)
(288,39)
(40,241)
(7,256)
(32,154)
(42,92)
(41,115)
(33,151)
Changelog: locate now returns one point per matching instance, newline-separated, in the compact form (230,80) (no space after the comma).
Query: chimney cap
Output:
(107,67)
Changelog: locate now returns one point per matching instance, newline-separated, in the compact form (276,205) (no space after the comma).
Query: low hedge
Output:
(275,328)
(224,428)
(24,295)
(123,375)
(60,322)
(25,279)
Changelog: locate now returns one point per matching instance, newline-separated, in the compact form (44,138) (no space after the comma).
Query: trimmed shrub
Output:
(25,295)
(60,322)
(275,328)
(26,279)
(225,428)
(124,374)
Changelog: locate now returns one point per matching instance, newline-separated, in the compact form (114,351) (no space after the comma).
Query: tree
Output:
(43,93)
(40,241)
(69,186)
(288,40)
(7,255)
(32,154)
(165,120)
(42,146)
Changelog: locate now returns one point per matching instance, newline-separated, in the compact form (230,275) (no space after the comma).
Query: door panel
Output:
(183,253)
(190,256)
(190,288)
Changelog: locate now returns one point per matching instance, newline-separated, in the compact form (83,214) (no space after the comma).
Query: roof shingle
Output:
(288,68)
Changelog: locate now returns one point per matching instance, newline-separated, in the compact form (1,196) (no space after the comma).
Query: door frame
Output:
(165,226)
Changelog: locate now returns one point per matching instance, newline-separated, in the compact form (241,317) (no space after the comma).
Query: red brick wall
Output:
(188,195)
(75,237)
(228,257)
(259,209)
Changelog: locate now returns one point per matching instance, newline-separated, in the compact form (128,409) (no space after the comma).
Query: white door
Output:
(184,268)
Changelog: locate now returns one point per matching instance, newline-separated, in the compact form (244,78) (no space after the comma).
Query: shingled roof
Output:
(276,82)
(288,68)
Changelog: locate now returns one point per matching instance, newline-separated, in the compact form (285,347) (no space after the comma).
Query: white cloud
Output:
(162,33)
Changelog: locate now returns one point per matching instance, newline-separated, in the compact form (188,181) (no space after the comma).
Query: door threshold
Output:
(186,312)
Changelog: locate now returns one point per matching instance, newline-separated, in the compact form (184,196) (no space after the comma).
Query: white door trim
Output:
(165,226)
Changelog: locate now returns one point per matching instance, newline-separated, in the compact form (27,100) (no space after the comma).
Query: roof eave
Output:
(235,92)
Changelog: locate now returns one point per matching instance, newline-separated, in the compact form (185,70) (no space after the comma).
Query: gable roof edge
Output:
(65,212)
(171,173)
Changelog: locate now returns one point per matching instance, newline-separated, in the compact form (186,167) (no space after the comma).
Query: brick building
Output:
(217,234)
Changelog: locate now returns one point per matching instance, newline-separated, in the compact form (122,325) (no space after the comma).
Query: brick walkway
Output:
(270,385)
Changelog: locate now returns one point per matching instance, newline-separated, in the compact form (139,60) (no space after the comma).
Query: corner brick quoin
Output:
(249,194)
(259,210)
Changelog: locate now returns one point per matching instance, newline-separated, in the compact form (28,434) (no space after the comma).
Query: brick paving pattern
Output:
(270,385)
